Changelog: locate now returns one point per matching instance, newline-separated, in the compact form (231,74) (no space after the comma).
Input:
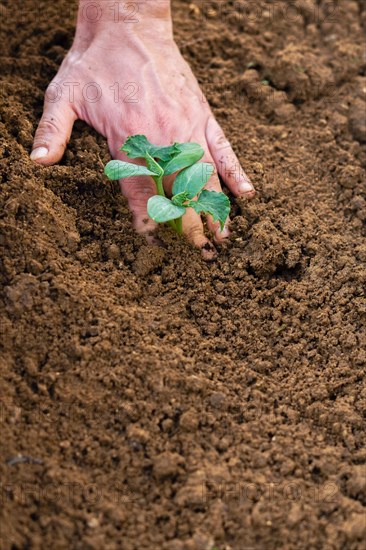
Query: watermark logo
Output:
(70,492)
(92,92)
(292,491)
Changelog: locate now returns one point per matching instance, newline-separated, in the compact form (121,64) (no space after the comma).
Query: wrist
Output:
(117,20)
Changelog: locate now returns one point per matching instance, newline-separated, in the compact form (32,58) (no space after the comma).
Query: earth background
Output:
(150,400)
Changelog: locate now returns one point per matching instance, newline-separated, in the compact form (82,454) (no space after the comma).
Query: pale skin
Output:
(125,75)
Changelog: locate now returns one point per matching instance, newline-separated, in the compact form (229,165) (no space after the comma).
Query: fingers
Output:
(53,133)
(137,192)
(213,184)
(193,229)
(226,161)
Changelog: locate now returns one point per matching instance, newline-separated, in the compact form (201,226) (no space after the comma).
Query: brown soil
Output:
(151,401)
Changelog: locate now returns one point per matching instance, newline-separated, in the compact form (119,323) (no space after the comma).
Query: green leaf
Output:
(139,146)
(136,146)
(180,199)
(213,203)
(118,169)
(186,155)
(153,165)
(161,209)
(171,158)
(191,180)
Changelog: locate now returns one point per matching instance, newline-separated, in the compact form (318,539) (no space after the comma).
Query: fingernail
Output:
(245,187)
(39,153)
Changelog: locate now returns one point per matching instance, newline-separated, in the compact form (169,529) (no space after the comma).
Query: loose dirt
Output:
(149,400)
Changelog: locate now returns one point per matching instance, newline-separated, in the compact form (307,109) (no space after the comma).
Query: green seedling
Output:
(188,187)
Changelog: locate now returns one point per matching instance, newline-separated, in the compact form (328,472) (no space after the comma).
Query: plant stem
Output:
(179,225)
(159,185)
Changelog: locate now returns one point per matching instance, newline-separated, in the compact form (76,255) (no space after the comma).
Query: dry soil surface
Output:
(152,401)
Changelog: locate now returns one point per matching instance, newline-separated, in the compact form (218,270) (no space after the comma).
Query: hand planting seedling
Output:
(188,185)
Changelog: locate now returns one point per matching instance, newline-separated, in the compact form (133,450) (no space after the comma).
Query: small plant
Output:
(188,185)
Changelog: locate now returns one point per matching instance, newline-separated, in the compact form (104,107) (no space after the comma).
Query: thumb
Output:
(53,133)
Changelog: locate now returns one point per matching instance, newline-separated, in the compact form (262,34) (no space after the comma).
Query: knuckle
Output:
(194,232)
(48,125)
(137,204)
(219,139)
(137,201)
(136,194)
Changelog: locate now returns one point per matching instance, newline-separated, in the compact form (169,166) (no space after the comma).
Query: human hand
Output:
(158,96)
